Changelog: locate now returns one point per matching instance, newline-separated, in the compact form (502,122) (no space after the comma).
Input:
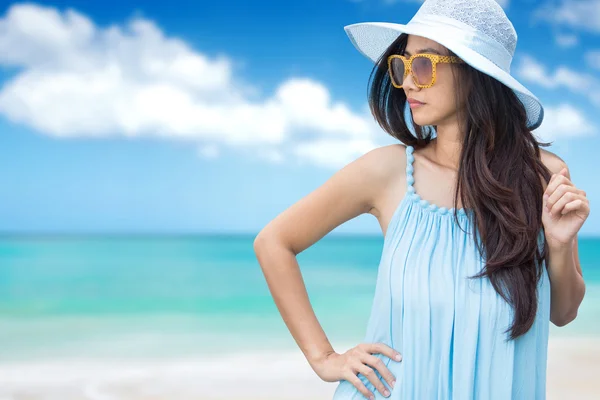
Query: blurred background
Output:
(143,145)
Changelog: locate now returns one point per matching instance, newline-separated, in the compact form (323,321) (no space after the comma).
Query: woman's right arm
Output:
(355,189)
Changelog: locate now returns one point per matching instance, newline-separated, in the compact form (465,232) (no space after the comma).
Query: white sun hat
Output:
(477,31)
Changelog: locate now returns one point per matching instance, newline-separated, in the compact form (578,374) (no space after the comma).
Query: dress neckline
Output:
(417,199)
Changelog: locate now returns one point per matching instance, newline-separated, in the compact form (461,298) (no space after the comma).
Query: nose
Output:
(409,84)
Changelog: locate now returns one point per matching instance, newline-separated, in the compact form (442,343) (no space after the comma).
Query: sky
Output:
(214,117)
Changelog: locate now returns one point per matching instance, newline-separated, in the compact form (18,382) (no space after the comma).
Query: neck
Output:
(447,146)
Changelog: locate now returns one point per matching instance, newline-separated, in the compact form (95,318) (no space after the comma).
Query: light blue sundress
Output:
(449,329)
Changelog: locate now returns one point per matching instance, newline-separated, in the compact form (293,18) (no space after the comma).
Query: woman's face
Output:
(440,105)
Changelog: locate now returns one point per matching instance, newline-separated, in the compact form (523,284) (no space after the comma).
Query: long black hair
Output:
(498,176)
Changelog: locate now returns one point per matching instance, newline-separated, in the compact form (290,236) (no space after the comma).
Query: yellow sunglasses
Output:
(422,67)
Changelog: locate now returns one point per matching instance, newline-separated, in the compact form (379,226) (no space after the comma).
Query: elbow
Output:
(569,316)
(565,319)
(259,245)
(261,242)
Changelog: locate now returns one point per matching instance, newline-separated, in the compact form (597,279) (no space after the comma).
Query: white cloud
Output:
(580,83)
(577,14)
(76,79)
(564,121)
(272,155)
(334,153)
(566,41)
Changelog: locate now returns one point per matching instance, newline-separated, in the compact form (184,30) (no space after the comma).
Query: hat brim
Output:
(373,38)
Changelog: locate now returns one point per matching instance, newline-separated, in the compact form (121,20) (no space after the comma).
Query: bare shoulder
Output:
(380,167)
(385,162)
(385,165)
(553,162)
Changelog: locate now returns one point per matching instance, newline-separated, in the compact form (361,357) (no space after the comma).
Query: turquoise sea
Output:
(170,296)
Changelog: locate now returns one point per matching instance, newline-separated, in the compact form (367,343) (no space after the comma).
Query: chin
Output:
(423,118)
(423,121)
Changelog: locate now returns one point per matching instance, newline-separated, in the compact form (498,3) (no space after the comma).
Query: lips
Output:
(413,101)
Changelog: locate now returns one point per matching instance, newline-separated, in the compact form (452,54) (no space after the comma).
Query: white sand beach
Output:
(573,371)
(573,368)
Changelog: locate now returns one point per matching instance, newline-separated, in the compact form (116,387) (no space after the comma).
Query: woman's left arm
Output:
(565,210)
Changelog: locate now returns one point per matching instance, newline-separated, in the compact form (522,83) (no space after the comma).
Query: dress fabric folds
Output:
(449,328)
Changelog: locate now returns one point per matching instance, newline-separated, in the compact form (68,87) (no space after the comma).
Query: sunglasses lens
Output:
(422,70)
(397,71)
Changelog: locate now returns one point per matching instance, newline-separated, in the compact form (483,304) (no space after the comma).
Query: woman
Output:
(480,224)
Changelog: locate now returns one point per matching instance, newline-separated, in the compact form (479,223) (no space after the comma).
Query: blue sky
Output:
(186,117)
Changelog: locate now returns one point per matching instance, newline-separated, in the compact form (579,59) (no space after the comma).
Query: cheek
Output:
(440,99)
(442,96)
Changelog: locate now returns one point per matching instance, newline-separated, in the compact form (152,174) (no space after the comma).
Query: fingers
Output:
(370,374)
(556,180)
(383,370)
(365,363)
(577,204)
(384,349)
(570,196)
(353,379)
(557,187)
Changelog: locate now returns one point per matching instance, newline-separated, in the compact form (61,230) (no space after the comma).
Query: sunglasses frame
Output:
(435,59)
